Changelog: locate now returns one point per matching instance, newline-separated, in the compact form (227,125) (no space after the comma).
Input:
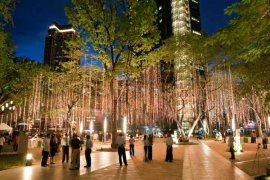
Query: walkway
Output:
(190,162)
(200,162)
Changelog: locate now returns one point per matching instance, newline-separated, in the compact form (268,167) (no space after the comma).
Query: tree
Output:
(16,76)
(119,34)
(244,44)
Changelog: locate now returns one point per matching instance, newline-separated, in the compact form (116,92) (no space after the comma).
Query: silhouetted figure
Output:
(146,144)
(88,150)
(45,150)
(65,148)
(53,148)
(120,141)
(131,146)
(150,145)
(231,146)
(169,150)
(76,145)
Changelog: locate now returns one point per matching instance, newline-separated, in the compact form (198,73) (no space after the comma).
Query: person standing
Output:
(2,141)
(75,158)
(15,143)
(53,148)
(65,148)
(131,146)
(231,146)
(146,144)
(45,151)
(150,145)
(120,142)
(88,150)
(169,151)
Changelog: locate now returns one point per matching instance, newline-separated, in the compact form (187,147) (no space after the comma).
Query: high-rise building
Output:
(185,19)
(179,17)
(186,16)
(55,44)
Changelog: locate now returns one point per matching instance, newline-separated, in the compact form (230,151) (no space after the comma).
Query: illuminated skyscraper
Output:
(186,16)
(185,19)
(179,17)
(55,44)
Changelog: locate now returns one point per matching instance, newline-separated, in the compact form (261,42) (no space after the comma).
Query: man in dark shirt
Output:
(76,145)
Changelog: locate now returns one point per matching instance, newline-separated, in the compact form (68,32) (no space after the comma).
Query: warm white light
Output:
(105,125)
(125,125)
(6,105)
(62,31)
(11,102)
(237,142)
(268,120)
(91,126)
(81,127)
(3,108)
(29,157)
(13,107)
(175,139)
(233,124)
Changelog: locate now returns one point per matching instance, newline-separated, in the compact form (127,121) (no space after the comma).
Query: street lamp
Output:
(9,106)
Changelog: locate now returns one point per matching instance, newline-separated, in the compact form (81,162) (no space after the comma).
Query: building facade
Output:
(55,45)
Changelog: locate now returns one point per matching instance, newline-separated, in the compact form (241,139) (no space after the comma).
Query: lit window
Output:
(196,32)
(194,19)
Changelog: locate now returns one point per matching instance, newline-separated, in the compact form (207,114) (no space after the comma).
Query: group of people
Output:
(15,141)
(51,147)
(148,150)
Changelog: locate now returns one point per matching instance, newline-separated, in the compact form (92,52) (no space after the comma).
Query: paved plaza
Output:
(190,162)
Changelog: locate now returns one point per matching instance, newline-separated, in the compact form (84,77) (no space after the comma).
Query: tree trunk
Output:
(113,89)
(194,125)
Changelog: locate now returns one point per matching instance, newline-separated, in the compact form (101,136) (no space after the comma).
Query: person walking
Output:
(231,146)
(75,158)
(65,148)
(45,150)
(2,141)
(131,145)
(120,142)
(88,150)
(169,151)
(146,144)
(53,148)
(150,145)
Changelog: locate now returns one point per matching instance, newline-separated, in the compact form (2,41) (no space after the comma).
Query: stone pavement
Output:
(200,162)
(247,161)
(190,162)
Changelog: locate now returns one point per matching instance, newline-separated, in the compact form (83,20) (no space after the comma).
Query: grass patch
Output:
(11,160)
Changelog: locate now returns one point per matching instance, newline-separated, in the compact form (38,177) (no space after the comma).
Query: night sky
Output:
(32,19)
